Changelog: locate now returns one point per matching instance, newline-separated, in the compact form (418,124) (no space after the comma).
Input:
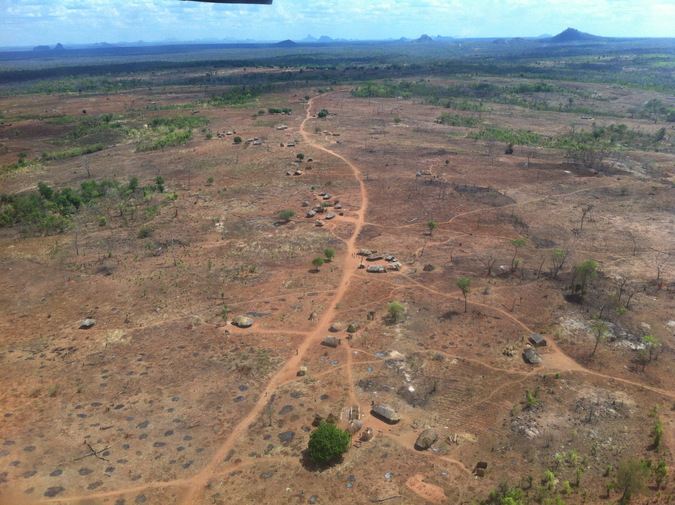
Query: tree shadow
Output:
(312,466)
(449,315)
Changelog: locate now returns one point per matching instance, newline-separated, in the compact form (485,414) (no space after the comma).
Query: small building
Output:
(531,356)
(331,341)
(376,269)
(386,413)
(537,340)
(367,435)
(242,321)
(355,412)
(354,426)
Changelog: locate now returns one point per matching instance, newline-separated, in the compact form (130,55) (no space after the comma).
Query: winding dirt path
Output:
(312,338)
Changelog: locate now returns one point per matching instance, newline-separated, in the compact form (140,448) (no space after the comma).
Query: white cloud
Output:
(32,22)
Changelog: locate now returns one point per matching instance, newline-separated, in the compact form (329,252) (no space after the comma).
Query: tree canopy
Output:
(327,442)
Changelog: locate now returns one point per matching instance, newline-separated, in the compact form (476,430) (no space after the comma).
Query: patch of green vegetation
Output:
(173,131)
(457,120)
(50,211)
(71,153)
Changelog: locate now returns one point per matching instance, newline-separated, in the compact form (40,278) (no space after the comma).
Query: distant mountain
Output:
(286,43)
(545,36)
(326,38)
(309,38)
(424,39)
(59,47)
(443,38)
(572,35)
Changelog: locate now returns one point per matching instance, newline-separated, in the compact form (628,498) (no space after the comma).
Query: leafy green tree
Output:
(600,331)
(323,113)
(432,225)
(300,156)
(506,495)
(318,262)
(517,244)
(657,434)
(159,181)
(631,476)
(652,345)
(464,285)
(238,140)
(133,184)
(327,442)
(45,191)
(396,312)
(286,215)
(558,259)
(661,473)
(585,271)
(330,254)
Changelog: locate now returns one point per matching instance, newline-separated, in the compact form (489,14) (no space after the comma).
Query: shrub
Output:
(327,442)
(237,140)
(286,215)
(144,233)
(396,312)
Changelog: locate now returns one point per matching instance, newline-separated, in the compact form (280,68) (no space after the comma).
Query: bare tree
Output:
(660,259)
(586,210)
(488,260)
(85,160)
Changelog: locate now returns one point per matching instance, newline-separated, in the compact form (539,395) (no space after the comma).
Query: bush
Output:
(327,442)
(396,312)
(237,140)
(286,215)
(144,233)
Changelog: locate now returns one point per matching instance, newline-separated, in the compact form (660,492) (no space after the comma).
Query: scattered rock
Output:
(87,323)
(429,267)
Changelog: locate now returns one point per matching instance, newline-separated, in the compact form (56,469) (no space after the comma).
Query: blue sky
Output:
(33,22)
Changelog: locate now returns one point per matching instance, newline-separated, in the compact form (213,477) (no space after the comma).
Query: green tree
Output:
(159,181)
(661,473)
(652,345)
(318,262)
(506,495)
(396,312)
(630,478)
(558,259)
(517,244)
(657,434)
(286,215)
(323,113)
(431,225)
(330,254)
(45,191)
(397,120)
(600,331)
(237,140)
(300,156)
(585,271)
(327,442)
(133,184)
(464,285)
